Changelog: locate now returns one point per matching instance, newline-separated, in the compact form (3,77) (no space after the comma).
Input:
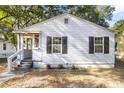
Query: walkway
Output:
(6,76)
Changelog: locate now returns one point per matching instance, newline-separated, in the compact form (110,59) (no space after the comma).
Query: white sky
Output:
(118,8)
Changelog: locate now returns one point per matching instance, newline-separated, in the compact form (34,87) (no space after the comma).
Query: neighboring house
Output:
(66,40)
(6,48)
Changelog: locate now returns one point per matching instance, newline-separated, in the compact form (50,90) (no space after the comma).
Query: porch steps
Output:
(24,67)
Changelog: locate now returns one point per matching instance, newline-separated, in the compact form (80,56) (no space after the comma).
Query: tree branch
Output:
(4,17)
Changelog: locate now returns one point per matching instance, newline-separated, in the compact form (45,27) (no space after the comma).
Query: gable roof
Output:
(47,20)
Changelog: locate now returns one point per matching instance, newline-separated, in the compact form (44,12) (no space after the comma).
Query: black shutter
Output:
(4,46)
(64,45)
(106,45)
(49,44)
(91,45)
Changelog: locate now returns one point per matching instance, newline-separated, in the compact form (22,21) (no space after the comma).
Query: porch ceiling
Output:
(27,32)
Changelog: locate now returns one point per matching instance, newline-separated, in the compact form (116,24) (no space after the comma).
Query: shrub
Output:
(60,66)
(73,67)
(48,66)
(84,69)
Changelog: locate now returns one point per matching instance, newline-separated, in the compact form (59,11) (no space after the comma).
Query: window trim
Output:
(99,44)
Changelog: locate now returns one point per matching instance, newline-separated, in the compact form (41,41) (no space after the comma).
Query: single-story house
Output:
(66,40)
(6,48)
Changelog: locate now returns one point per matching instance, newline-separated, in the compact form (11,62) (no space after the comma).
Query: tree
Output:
(118,27)
(27,15)
(6,27)
(96,14)
(13,17)
(17,17)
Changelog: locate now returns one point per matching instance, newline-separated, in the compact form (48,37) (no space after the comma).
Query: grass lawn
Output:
(63,78)
(83,78)
(3,65)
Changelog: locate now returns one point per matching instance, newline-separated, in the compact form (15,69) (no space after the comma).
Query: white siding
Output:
(78,33)
(9,49)
(37,52)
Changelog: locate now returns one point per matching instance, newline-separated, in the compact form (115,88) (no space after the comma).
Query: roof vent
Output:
(66,20)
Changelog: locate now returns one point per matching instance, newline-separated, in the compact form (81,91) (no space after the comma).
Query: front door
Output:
(27,42)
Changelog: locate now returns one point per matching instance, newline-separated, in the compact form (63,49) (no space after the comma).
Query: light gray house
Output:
(65,40)
(6,48)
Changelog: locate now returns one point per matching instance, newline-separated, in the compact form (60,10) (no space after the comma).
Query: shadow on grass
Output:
(83,71)
(59,79)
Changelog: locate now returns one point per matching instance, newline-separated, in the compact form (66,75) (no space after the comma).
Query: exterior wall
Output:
(78,32)
(37,52)
(9,49)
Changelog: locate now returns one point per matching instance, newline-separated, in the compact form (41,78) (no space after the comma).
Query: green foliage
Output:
(14,17)
(118,27)
(96,14)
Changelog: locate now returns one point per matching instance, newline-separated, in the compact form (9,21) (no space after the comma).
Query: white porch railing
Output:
(15,59)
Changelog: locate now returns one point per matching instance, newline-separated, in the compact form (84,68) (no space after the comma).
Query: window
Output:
(36,40)
(66,20)
(4,46)
(98,44)
(57,45)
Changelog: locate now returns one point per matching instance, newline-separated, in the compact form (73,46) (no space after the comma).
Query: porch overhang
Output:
(26,32)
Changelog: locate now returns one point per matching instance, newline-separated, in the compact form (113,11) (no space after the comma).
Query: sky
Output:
(119,8)
(118,14)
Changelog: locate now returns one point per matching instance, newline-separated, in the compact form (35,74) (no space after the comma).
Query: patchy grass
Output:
(55,78)
(68,78)
(3,65)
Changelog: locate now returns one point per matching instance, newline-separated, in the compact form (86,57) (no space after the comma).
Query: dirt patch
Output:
(3,65)
(65,78)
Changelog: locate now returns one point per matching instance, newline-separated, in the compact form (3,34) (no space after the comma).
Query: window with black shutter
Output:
(49,44)
(64,45)
(57,45)
(91,45)
(106,45)
(99,45)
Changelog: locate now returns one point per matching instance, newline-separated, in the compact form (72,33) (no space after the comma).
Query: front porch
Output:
(28,50)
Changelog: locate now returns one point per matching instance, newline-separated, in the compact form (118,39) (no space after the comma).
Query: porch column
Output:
(18,42)
(40,40)
(21,46)
(33,40)
(21,39)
